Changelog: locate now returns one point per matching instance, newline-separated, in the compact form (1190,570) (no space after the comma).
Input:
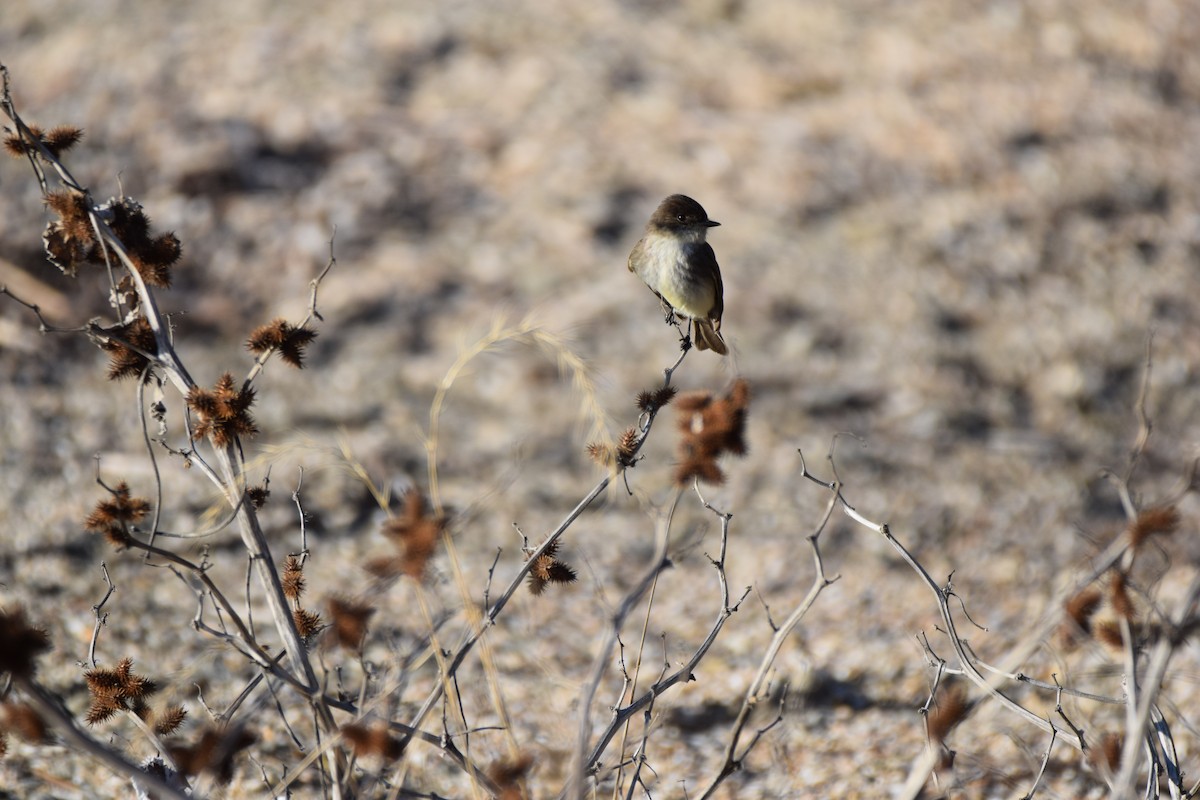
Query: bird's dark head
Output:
(681,213)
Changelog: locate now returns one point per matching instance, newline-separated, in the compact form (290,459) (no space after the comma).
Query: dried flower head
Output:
(1119,597)
(293,578)
(281,335)
(222,414)
(376,740)
(548,568)
(509,774)
(602,454)
(25,721)
(169,720)
(57,141)
(258,495)
(949,708)
(416,533)
(710,427)
(128,346)
(117,689)
(1106,754)
(653,400)
(114,517)
(213,753)
(308,623)
(349,622)
(1151,522)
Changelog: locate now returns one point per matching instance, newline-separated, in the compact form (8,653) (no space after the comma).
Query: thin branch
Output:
(301,515)
(733,758)
(43,326)
(1041,770)
(101,619)
(658,562)
(1151,683)
(684,672)
(644,427)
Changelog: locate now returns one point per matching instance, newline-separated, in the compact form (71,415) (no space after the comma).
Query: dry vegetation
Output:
(477,545)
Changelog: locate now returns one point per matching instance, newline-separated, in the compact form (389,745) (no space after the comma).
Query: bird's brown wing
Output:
(635,254)
(706,262)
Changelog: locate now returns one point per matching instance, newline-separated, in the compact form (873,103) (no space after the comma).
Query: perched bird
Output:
(676,262)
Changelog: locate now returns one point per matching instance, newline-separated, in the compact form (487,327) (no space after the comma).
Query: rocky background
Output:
(950,229)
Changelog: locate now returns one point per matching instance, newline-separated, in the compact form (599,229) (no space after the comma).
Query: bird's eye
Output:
(679,217)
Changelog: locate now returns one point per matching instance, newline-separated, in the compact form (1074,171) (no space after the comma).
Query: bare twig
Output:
(101,619)
(684,673)
(658,562)
(733,757)
(1042,769)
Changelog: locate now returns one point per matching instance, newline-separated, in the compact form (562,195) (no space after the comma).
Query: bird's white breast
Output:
(667,266)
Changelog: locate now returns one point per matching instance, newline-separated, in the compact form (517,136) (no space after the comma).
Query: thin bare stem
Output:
(733,757)
(101,619)
(600,663)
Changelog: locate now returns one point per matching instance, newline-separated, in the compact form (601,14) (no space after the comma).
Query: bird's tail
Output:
(709,338)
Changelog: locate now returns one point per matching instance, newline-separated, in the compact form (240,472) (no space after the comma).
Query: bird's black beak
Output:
(712,223)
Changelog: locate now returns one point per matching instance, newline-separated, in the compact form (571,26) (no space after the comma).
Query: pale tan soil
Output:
(948,229)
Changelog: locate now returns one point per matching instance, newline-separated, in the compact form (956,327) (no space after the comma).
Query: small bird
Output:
(679,266)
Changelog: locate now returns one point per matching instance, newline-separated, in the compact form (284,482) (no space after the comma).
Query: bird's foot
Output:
(668,312)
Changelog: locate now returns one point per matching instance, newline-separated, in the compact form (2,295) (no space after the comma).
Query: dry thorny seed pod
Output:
(349,622)
(509,774)
(128,346)
(25,721)
(1153,521)
(308,623)
(1080,609)
(114,517)
(152,256)
(20,643)
(70,239)
(284,337)
(1119,596)
(603,454)
(376,740)
(57,140)
(653,400)
(548,568)
(223,414)
(169,720)
(416,533)
(709,427)
(627,447)
(213,753)
(293,578)
(949,709)
(258,495)
(117,689)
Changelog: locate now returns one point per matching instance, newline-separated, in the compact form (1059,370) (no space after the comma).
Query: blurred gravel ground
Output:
(948,228)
